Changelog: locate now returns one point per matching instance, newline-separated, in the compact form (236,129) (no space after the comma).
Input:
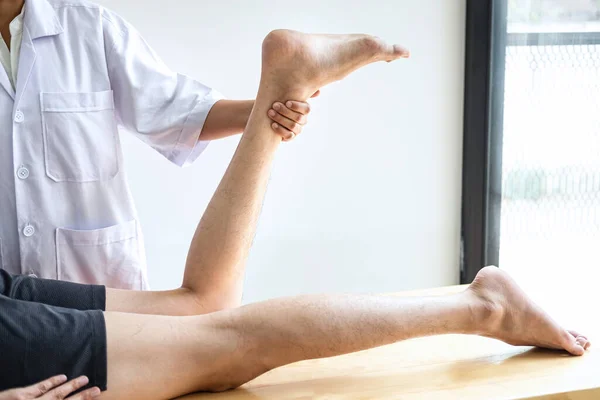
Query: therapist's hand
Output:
(55,388)
(289,118)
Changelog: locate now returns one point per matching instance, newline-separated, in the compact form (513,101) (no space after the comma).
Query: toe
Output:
(581,339)
(572,345)
(583,342)
(400,51)
(577,334)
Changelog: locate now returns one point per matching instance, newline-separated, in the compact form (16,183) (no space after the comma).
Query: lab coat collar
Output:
(40,19)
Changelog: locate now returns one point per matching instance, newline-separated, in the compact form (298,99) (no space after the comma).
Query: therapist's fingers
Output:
(283,132)
(298,106)
(296,116)
(289,118)
(287,123)
(43,387)
(88,394)
(66,389)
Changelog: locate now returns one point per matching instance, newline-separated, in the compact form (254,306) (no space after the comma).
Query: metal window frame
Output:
(482,138)
(553,39)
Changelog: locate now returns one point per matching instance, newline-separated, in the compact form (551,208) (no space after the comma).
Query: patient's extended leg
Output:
(154,357)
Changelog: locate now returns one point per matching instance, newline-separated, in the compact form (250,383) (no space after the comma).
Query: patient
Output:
(160,345)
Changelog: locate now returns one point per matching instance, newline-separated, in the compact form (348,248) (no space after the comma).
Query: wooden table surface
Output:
(443,367)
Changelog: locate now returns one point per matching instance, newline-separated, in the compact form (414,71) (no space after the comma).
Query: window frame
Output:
(485,45)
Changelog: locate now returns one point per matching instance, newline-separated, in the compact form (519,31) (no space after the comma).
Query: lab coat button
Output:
(28,231)
(19,116)
(23,173)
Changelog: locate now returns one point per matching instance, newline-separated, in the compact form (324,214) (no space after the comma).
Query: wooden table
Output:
(443,367)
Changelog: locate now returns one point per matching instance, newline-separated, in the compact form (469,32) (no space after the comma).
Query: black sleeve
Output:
(51,292)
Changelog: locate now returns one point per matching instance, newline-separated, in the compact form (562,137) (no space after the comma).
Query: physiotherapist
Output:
(73,73)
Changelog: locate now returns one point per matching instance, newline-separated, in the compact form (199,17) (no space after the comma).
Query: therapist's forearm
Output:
(226,118)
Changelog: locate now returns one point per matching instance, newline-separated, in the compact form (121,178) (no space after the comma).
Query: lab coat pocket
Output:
(109,256)
(80,136)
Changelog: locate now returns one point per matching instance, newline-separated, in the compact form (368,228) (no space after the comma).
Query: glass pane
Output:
(553,15)
(550,215)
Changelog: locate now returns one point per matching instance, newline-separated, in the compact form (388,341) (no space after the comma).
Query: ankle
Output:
(270,91)
(288,65)
(486,315)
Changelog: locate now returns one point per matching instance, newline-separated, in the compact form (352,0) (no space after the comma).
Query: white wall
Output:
(368,198)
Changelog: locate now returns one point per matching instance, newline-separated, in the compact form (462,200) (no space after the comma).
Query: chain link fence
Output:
(551,149)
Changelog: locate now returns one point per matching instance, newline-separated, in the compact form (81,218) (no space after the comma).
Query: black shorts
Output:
(50,328)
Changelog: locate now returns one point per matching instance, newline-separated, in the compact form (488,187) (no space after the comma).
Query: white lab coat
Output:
(66,211)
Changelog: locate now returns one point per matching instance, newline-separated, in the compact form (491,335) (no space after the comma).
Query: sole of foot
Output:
(310,61)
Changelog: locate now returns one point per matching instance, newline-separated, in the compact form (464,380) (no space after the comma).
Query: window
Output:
(531,180)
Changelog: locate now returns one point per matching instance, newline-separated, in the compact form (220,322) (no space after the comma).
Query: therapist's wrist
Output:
(238,113)
(226,118)
(247,107)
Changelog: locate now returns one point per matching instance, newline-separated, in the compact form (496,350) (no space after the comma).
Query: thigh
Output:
(38,341)
(162,357)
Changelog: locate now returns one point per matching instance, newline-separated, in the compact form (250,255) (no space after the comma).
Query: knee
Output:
(220,303)
(233,379)
(219,387)
(199,303)
(239,358)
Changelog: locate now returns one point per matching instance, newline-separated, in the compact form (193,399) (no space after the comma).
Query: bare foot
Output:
(304,63)
(509,315)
